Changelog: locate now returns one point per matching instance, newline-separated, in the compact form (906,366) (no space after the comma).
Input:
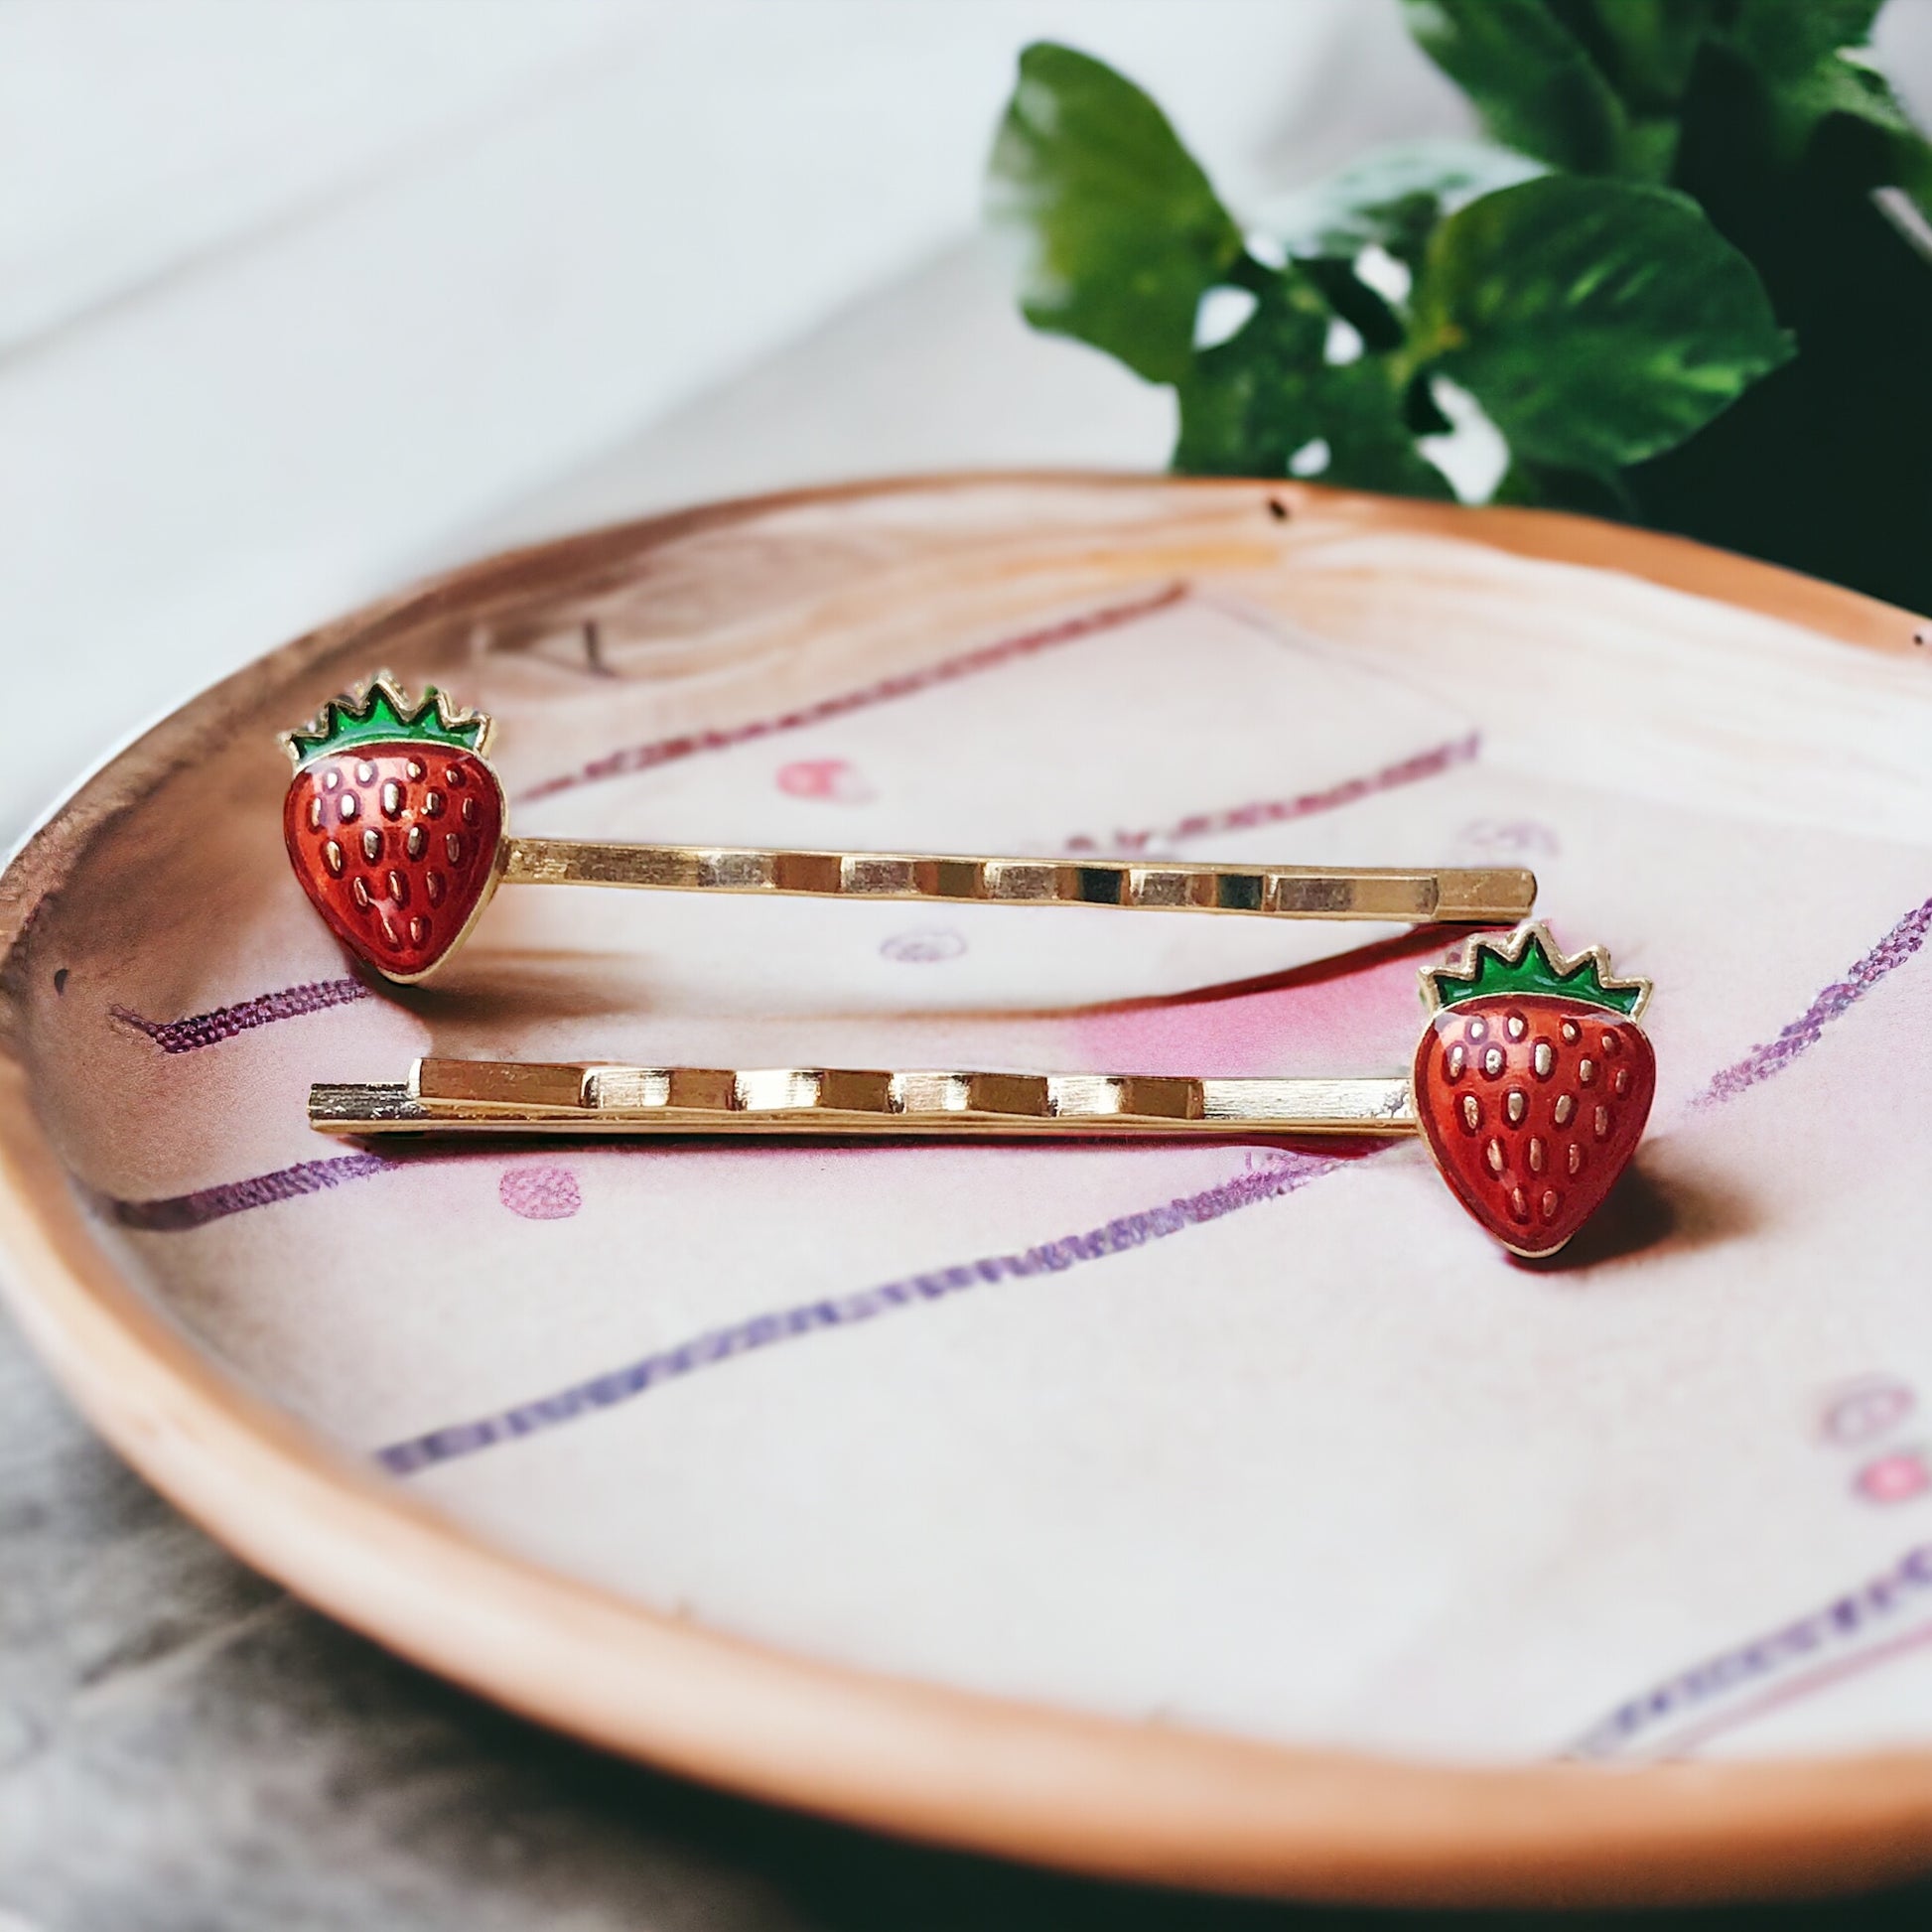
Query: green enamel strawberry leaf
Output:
(384,715)
(1526,963)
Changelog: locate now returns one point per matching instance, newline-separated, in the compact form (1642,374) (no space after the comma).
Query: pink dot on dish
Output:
(924,949)
(830,779)
(540,1193)
(1894,1478)
(1866,1408)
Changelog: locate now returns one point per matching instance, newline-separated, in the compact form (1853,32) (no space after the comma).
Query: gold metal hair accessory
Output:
(1531,1085)
(397,828)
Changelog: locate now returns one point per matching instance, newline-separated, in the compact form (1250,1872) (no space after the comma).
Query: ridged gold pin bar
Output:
(443,1096)
(1476,895)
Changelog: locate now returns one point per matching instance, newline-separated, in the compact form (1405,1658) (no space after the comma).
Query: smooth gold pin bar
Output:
(1501,895)
(446,1097)
(396,826)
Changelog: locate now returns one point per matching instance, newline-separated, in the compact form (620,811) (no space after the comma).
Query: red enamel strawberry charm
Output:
(394,825)
(1532,1084)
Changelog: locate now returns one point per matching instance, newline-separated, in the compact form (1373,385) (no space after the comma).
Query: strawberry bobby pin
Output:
(1531,1087)
(397,828)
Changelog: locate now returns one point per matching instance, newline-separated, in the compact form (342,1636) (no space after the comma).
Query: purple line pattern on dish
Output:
(668,751)
(200,1029)
(1280,812)
(177,1213)
(1803,1032)
(1830,1634)
(1288,1173)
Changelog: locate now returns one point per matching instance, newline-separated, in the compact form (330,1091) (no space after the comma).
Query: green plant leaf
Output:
(1532,80)
(1250,403)
(1806,57)
(1540,486)
(1646,48)
(1391,199)
(1837,85)
(1122,233)
(1370,444)
(1245,406)
(1598,322)
(1784,39)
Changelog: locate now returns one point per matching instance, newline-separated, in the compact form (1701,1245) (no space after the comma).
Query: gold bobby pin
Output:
(1531,1085)
(526,1096)
(396,826)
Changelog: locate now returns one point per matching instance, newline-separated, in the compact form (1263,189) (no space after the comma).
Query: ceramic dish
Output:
(1234,1517)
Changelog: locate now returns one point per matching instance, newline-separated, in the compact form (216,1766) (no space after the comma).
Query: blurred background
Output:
(299,301)
(302,300)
